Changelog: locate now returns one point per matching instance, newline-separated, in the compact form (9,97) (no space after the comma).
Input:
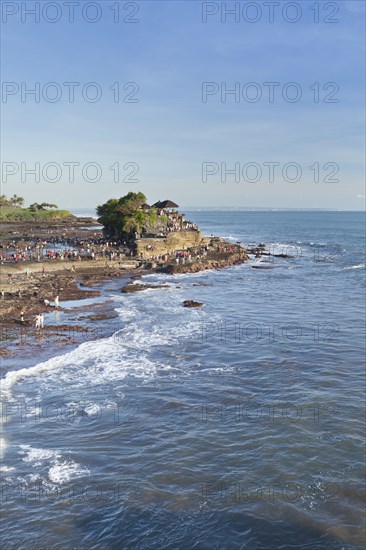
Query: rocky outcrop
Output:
(100,316)
(129,265)
(65,328)
(176,240)
(204,264)
(192,303)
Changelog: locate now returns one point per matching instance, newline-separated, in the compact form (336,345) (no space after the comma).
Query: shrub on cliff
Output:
(125,216)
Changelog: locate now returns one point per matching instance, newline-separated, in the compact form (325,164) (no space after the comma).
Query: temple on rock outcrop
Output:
(148,230)
(171,232)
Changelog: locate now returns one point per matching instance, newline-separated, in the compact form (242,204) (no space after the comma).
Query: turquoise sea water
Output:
(238,425)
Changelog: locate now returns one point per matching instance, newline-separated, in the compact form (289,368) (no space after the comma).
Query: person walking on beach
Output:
(38,322)
(41,320)
(56,302)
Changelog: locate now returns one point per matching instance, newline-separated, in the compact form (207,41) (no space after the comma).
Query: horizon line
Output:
(243,208)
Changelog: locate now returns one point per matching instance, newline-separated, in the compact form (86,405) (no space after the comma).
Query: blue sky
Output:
(170,132)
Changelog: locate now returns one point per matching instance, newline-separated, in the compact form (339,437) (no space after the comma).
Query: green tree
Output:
(16,201)
(35,206)
(45,205)
(12,202)
(124,216)
(4,201)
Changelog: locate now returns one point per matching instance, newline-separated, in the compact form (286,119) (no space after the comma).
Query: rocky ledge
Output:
(192,303)
(204,264)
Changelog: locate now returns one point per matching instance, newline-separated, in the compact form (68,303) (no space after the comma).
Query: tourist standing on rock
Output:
(41,320)
(38,322)
(22,316)
(56,302)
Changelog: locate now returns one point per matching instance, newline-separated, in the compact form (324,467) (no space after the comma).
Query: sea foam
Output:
(149,321)
(50,461)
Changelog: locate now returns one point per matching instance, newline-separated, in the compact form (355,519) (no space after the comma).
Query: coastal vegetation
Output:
(35,207)
(12,209)
(11,202)
(127,216)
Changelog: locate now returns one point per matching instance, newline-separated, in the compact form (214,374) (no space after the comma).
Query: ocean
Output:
(238,425)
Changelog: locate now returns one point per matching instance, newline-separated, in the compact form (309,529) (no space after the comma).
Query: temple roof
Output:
(166,204)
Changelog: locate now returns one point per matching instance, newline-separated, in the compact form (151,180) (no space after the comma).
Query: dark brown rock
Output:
(100,316)
(192,303)
(256,266)
(66,328)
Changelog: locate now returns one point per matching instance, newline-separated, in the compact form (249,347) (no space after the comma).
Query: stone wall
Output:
(178,240)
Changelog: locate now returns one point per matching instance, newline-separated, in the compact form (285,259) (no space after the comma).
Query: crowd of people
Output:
(63,250)
(27,248)
(179,256)
(173,222)
(180,225)
(74,250)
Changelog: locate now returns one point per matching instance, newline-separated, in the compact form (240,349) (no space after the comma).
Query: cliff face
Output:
(176,240)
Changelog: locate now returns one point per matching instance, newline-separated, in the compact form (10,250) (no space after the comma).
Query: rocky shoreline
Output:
(29,288)
(25,292)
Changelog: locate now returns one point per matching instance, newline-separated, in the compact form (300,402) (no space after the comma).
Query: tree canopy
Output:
(11,202)
(35,206)
(18,202)
(125,216)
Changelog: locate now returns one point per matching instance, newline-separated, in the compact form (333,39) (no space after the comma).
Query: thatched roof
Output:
(168,204)
(157,205)
(145,206)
